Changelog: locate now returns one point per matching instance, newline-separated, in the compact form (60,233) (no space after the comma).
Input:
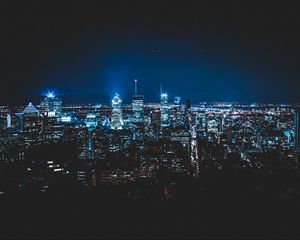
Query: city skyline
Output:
(149,119)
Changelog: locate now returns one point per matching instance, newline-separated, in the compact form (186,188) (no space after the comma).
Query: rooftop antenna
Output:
(135,86)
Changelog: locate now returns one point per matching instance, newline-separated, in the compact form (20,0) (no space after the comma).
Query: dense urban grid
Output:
(52,144)
(203,155)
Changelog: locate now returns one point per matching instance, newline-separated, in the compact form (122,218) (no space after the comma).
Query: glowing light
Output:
(51,114)
(66,119)
(50,95)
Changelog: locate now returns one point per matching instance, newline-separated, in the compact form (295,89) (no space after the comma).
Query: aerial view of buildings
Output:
(142,119)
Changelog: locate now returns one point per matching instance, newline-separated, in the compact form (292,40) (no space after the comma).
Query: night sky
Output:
(205,51)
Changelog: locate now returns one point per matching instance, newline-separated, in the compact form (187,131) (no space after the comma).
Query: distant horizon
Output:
(73,100)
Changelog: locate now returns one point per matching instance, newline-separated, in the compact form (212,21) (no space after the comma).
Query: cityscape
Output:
(156,143)
(170,151)
(149,119)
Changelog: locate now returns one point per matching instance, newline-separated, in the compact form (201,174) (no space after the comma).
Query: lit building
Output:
(91,120)
(138,108)
(116,114)
(52,105)
(181,135)
(201,121)
(5,120)
(176,113)
(53,129)
(137,105)
(32,126)
(164,111)
(8,121)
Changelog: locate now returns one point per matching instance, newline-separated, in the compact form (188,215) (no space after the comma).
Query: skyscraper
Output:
(116,114)
(8,121)
(32,125)
(164,111)
(137,105)
(175,113)
(177,100)
(52,105)
(187,113)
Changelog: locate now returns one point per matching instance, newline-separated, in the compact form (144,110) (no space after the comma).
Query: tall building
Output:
(177,101)
(91,120)
(187,113)
(137,105)
(176,113)
(164,111)
(4,113)
(32,126)
(8,121)
(138,108)
(52,105)
(188,105)
(53,129)
(116,114)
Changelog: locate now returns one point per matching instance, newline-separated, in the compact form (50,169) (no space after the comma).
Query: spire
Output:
(135,86)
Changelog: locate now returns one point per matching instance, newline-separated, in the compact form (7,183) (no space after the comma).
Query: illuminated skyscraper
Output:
(116,114)
(8,121)
(177,100)
(187,113)
(32,126)
(137,105)
(91,120)
(175,113)
(164,111)
(52,105)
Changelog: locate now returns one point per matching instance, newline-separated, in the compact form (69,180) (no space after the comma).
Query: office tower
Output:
(188,105)
(116,114)
(187,113)
(52,105)
(201,121)
(138,108)
(4,112)
(176,113)
(8,121)
(164,111)
(91,120)
(177,101)
(154,127)
(53,130)
(137,105)
(32,126)
(19,122)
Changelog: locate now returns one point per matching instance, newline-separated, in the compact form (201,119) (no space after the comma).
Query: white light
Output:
(51,114)
(50,95)
(57,169)
(66,119)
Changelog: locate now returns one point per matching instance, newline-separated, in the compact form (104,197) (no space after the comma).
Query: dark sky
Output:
(205,51)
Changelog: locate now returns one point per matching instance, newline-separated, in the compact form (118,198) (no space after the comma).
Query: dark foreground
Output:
(91,215)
